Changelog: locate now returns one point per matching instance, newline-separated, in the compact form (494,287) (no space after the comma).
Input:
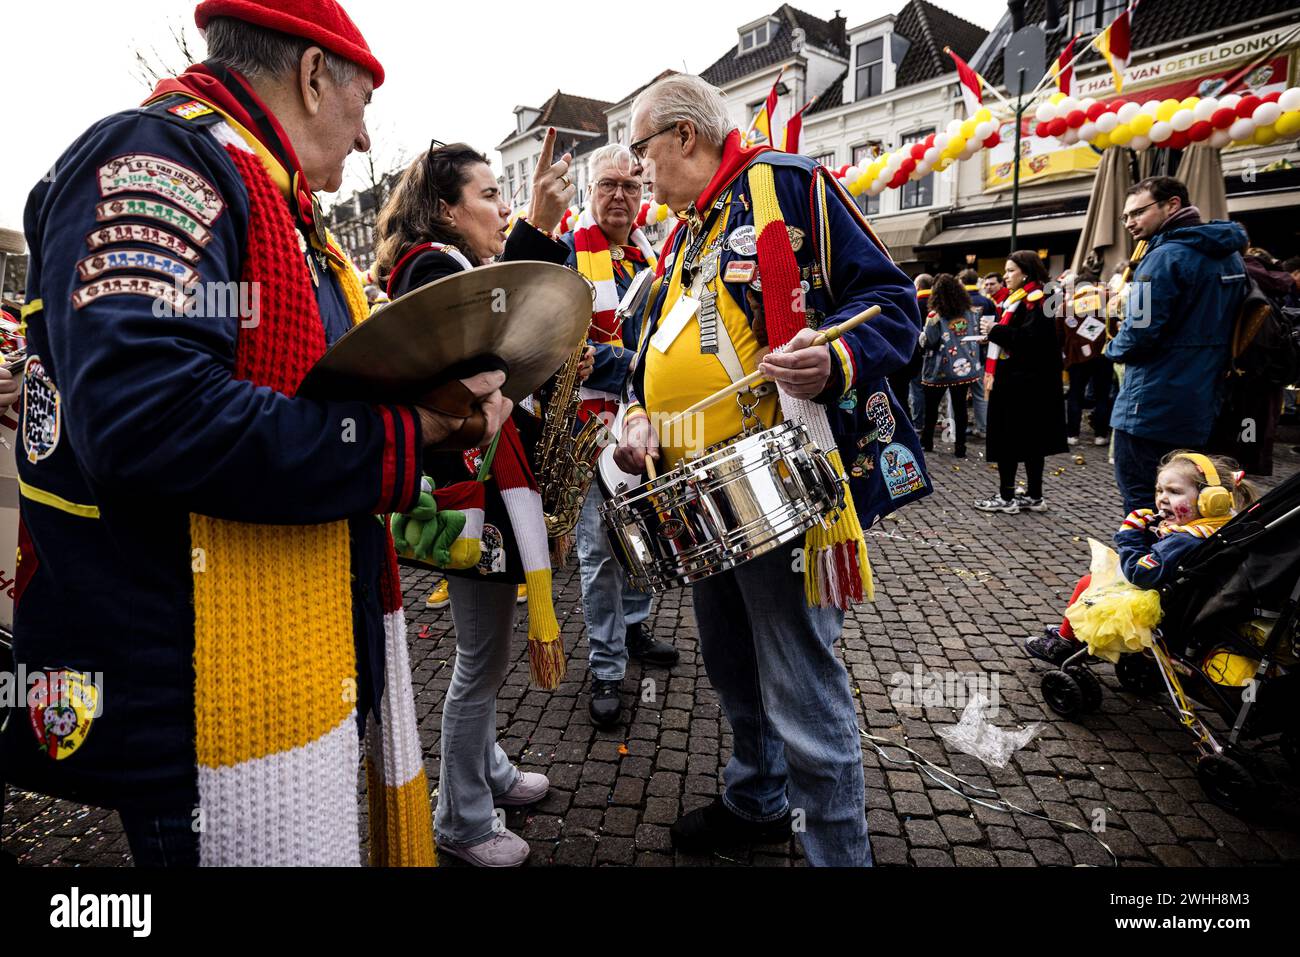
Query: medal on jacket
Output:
(306,254)
(616,253)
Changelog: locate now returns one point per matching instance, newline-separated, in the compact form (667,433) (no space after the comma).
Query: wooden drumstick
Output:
(740,385)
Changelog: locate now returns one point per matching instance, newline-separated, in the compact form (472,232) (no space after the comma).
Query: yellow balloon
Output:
(661,213)
(1167,110)
(1102,141)
(1190,102)
(1056,97)
(1265,135)
(1288,124)
(968,129)
(955,146)
(1121,135)
(985,115)
(1141,124)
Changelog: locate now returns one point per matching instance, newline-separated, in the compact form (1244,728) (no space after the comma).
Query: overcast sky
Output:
(454,70)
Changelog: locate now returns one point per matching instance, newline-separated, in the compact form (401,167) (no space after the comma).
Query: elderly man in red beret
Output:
(208,613)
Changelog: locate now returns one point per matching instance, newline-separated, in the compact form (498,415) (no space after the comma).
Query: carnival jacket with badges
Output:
(131,421)
(877,443)
(500,561)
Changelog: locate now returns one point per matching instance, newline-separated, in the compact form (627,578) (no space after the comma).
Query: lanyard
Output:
(693,251)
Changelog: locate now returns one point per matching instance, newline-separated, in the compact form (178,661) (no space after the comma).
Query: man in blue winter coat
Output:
(1177,331)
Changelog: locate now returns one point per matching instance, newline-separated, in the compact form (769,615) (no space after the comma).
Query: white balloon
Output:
(1151,107)
(1243,129)
(1219,139)
(973,146)
(1290,99)
(1088,131)
(1230,101)
(1139,143)
(954,128)
(1107,122)
(931,156)
(1064,107)
(1266,114)
(893,162)
(1160,131)
(1182,120)
(1087,103)
(1070,137)
(1045,113)
(983,131)
(1128,111)
(941,140)
(1205,109)
(852,173)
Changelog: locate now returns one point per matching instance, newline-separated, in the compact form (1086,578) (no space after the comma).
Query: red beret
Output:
(323,22)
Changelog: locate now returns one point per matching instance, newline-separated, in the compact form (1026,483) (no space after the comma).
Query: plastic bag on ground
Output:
(976,735)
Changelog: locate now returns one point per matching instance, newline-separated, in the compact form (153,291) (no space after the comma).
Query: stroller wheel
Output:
(1062,693)
(1089,686)
(1227,782)
(1137,673)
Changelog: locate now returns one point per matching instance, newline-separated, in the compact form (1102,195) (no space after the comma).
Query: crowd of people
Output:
(179,493)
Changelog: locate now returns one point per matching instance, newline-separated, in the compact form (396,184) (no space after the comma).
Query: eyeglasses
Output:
(607,187)
(1136,212)
(639,147)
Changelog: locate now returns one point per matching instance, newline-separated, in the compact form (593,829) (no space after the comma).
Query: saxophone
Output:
(566,454)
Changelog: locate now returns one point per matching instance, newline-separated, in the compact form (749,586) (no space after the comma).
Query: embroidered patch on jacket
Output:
(133,233)
(743,240)
(1149,561)
(191,110)
(902,474)
(161,212)
(42,412)
(143,173)
(881,416)
(92,267)
(129,286)
(492,559)
(62,705)
(796,237)
(740,270)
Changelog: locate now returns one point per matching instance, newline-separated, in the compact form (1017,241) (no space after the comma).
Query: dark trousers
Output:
(1033,478)
(1100,373)
(162,840)
(933,401)
(1136,462)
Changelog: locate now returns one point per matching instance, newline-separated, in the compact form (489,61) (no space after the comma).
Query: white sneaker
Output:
(506,849)
(529,789)
(1072,440)
(1099,441)
(998,504)
(1031,504)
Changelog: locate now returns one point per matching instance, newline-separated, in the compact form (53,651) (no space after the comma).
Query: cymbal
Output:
(529,315)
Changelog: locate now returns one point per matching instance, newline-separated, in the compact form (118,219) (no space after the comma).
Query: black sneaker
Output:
(643,647)
(1051,647)
(606,706)
(716,826)
(1028,504)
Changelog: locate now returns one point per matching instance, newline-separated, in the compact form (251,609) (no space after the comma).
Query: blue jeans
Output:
(609,603)
(1136,461)
(772,661)
(162,840)
(474,768)
(916,399)
(981,404)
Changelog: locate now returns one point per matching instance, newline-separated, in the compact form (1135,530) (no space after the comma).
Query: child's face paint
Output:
(1176,494)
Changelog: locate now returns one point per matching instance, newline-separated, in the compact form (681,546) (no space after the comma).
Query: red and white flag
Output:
(1063,68)
(1115,44)
(972,84)
(793,127)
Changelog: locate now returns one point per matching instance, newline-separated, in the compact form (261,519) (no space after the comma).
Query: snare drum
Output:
(718,511)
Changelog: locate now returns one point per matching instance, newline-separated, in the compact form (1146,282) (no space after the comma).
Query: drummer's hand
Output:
(638,441)
(9,386)
(803,370)
(553,188)
(588,363)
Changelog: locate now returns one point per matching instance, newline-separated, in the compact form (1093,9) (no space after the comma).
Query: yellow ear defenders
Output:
(1214,501)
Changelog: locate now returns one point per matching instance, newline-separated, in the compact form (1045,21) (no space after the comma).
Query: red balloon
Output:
(1222,118)
(1114,105)
(994,139)
(1273,97)
(1075,119)
(929,140)
(1095,111)
(1040,130)
(917,151)
(1200,131)
(899,179)
(1178,141)
(1057,126)
(1247,105)
(907,166)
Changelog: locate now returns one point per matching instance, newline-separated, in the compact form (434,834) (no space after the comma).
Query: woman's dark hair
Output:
(1029,263)
(949,298)
(411,216)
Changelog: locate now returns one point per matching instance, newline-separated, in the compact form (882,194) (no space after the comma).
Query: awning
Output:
(1026,227)
(903,233)
(1252,202)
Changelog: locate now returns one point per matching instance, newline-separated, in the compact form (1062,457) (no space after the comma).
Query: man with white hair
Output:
(609,249)
(767,249)
(206,604)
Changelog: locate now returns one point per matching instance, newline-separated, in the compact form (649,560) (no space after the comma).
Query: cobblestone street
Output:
(957,591)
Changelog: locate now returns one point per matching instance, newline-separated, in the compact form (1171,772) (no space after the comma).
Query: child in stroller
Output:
(1191,505)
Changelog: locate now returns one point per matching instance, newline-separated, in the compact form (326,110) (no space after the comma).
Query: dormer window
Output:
(756,35)
(870,68)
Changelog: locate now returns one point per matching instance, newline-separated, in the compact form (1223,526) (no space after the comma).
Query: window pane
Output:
(871,50)
(760,35)
(746,41)
(826,159)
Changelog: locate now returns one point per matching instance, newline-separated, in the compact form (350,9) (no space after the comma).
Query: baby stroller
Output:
(1228,642)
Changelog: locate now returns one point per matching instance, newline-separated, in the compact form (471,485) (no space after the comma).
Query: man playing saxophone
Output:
(609,250)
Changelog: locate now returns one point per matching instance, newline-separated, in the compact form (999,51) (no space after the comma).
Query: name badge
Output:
(740,270)
(681,313)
